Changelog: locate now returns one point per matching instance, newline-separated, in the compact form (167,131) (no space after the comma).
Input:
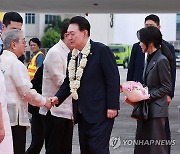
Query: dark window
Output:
(50,18)
(121,49)
(118,49)
(115,50)
(30,18)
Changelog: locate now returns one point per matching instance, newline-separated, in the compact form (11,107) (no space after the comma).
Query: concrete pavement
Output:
(125,126)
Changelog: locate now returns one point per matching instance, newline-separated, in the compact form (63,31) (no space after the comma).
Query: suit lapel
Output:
(151,64)
(144,71)
(92,46)
(91,50)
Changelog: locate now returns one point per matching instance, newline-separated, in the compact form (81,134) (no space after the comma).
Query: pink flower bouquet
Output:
(134,91)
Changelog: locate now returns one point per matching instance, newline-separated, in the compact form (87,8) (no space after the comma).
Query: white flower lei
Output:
(75,76)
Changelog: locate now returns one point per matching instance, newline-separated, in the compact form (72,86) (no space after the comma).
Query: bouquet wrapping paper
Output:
(135,91)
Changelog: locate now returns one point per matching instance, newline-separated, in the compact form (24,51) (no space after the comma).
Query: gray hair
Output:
(9,36)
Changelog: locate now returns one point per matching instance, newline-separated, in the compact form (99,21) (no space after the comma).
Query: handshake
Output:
(51,101)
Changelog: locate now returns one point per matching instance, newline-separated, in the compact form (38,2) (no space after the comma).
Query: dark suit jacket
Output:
(37,85)
(158,80)
(136,65)
(100,85)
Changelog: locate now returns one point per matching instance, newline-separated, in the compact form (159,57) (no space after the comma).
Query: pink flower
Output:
(134,91)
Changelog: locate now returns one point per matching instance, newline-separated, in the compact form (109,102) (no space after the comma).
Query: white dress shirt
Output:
(6,146)
(18,89)
(54,72)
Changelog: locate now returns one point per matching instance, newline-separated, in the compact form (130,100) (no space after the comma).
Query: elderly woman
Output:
(18,86)
(150,134)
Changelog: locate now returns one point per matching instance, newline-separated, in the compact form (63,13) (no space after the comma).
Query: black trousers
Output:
(19,139)
(168,133)
(38,133)
(94,137)
(58,135)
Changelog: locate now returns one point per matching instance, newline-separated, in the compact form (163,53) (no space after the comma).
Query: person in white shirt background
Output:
(6,144)
(59,120)
(18,87)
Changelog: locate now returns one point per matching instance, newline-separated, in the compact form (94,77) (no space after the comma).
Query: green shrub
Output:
(50,38)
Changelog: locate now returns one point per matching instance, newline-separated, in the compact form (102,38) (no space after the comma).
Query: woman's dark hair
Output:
(150,35)
(153,35)
(82,22)
(35,40)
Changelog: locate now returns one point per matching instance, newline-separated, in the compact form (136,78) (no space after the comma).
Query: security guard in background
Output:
(37,57)
(35,70)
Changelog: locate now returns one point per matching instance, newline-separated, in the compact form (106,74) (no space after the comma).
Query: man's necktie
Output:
(79,58)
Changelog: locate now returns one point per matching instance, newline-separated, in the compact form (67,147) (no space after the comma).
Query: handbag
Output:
(140,111)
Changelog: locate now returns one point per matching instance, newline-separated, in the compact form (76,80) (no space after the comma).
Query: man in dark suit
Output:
(137,62)
(94,87)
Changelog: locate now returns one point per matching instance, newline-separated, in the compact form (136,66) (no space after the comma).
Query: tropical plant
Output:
(57,24)
(51,37)
(52,32)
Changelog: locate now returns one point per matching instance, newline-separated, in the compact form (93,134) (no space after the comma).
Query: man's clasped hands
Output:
(51,101)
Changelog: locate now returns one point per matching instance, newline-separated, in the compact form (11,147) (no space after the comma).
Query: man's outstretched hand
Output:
(54,100)
(48,104)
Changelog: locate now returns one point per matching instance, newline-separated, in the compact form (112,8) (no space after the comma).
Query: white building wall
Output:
(41,25)
(23,26)
(32,29)
(123,31)
(168,26)
(126,26)
(100,28)
(37,29)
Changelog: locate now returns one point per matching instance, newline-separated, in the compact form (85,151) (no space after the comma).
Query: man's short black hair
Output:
(64,30)
(35,40)
(12,16)
(154,18)
(82,22)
